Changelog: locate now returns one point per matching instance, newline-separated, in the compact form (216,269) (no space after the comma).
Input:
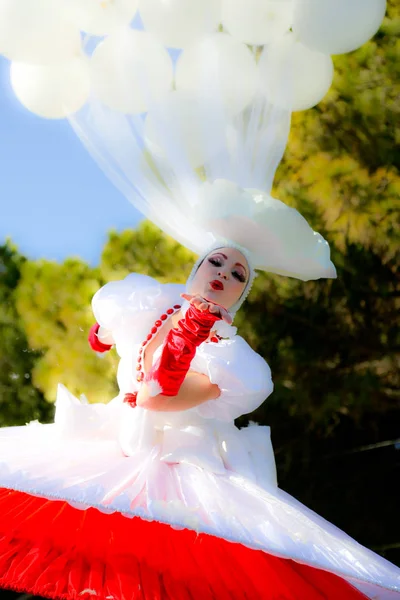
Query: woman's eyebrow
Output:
(240,265)
(226,258)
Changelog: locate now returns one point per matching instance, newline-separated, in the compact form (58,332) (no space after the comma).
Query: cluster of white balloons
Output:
(64,50)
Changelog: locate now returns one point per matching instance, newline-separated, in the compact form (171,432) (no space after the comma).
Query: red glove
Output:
(94,341)
(179,349)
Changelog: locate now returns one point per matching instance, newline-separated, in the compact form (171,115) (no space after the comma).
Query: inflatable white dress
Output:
(115,501)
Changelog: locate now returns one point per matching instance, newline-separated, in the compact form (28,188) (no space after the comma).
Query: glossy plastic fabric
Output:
(227,195)
(178,350)
(192,469)
(175,477)
(129,308)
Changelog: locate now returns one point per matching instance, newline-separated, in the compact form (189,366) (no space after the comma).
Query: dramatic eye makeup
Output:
(215,261)
(239,275)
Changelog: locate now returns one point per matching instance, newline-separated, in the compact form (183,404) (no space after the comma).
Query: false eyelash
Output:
(239,276)
(215,262)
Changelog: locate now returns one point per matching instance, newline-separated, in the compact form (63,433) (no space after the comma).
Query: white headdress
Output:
(209,186)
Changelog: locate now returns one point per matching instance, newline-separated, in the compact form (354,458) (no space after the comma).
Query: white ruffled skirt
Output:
(163,487)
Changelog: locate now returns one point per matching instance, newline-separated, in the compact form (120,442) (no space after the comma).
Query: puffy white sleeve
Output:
(128,308)
(242,375)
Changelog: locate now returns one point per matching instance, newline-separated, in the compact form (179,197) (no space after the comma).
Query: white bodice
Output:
(129,308)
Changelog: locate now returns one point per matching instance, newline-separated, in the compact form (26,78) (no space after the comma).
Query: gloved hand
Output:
(179,349)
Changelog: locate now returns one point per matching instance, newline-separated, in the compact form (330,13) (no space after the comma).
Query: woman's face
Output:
(222,277)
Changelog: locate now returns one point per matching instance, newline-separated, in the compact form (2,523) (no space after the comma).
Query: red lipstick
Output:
(216,285)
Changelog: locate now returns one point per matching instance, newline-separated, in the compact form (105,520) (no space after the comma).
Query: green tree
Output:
(148,251)
(20,400)
(53,301)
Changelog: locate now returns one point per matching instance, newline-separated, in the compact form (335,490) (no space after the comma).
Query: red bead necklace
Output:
(130,398)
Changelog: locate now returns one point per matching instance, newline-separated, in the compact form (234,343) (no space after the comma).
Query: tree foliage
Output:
(148,251)
(20,401)
(53,301)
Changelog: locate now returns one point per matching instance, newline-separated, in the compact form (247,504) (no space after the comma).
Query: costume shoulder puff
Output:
(242,375)
(128,308)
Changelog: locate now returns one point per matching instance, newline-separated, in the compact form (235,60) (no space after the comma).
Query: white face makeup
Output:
(222,277)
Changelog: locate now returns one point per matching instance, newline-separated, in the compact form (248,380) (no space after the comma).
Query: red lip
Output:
(216,285)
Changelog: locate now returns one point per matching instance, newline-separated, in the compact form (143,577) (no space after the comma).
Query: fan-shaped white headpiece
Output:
(224,201)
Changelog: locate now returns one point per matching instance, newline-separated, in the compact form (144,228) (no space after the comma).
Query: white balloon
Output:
(101,17)
(257,21)
(337,26)
(186,122)
(51,91)
(131,70)
(179,23)
(37,32)
(219,67)
(292,75)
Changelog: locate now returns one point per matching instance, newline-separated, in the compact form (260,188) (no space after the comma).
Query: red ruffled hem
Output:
(48,548)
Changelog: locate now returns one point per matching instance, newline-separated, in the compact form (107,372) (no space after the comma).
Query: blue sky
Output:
(54,200)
